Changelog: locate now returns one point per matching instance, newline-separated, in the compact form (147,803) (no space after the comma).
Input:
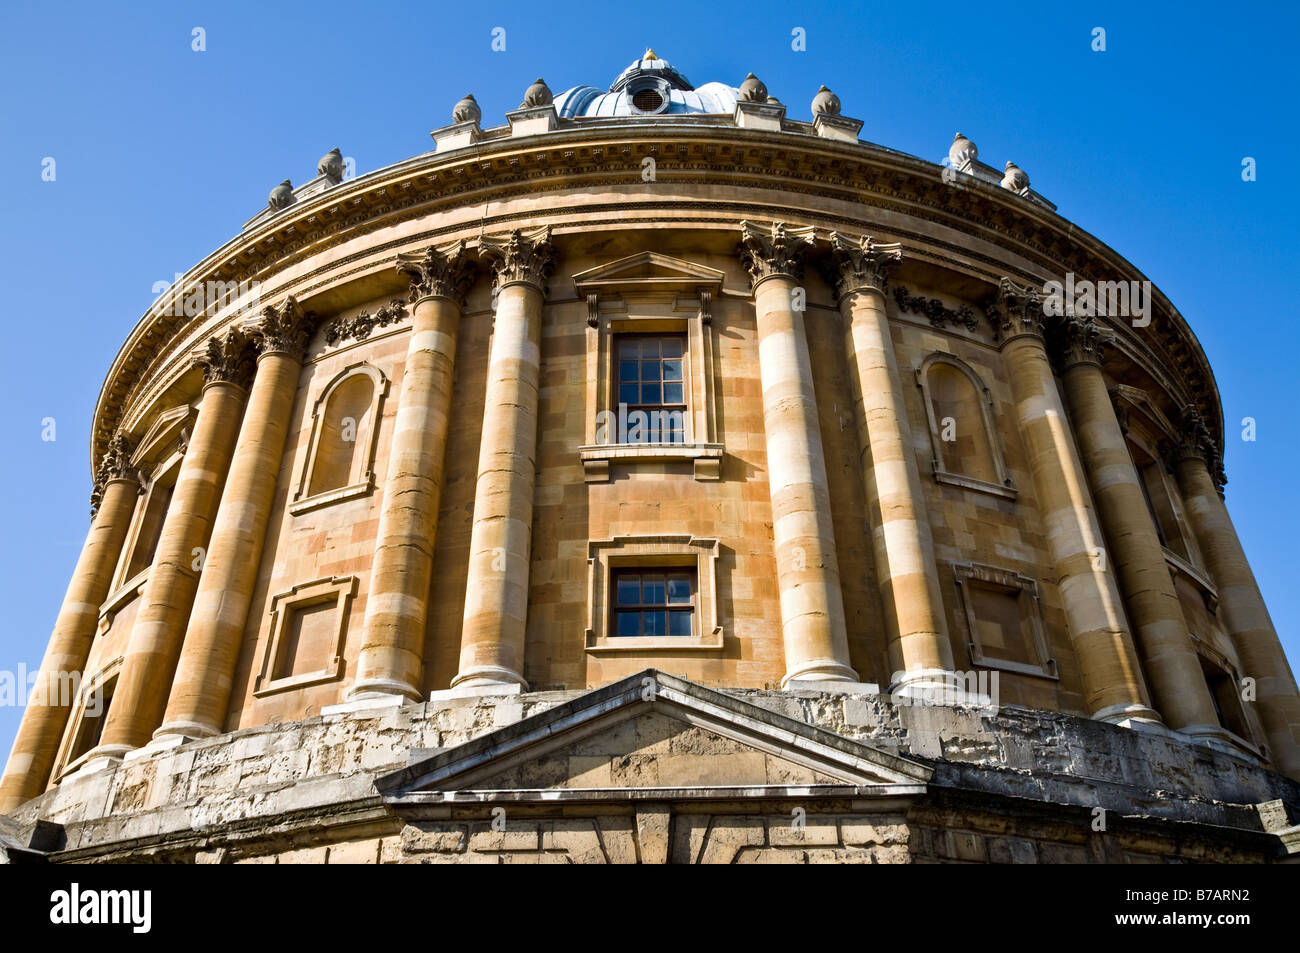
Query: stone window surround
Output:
(362,482)
(1006,486)
(657,552)
(678,301)
(106,673)
(1220,661)
(337,589)
(992,577)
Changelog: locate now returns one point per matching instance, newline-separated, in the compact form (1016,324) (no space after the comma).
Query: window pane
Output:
(627,370)
(679,622)
(650,393)
(627,394)
(650,370)
(629,590)
(652,591)
(655,623)
(629,623)
(672,370)
(649,348)
(629,348)
(672,347)
(673,394)
(679,589)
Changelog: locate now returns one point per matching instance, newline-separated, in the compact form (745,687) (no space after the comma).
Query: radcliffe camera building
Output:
(620,483)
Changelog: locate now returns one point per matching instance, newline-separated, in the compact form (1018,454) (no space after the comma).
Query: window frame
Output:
(607,557)
(339,590)
(1005,487)
(968,576)
(668,607)
(361,480)
(66,764)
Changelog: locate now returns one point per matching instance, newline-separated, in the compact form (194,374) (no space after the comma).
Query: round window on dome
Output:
(648,100)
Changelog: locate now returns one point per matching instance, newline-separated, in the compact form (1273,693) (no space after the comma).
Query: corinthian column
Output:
(808,576)
(1247,618)
(1113,687)
(397,606)
(496,592)
(919,647)
(149,663)
(200,691)
(36,746)
(1168,656)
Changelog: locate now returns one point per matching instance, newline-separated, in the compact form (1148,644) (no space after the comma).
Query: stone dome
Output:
(650,86)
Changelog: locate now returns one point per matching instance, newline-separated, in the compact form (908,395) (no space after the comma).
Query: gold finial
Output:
(649,54)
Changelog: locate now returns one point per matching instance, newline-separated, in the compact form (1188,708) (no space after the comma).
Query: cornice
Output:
(712,154)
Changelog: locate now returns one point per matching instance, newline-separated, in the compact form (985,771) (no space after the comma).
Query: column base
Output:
(368,701)
(936,687)
(99,759)
(181,730)
(163,742)
(820,670)
(383,688)
(487,680)
(1137,717)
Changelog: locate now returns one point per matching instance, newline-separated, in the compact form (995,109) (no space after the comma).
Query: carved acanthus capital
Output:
(520,258)
(1193,441)
(115,464)
(229,358)
(861,265)
(1018,311)
(1082,341)
(439,272)
(287,329)
(778,251)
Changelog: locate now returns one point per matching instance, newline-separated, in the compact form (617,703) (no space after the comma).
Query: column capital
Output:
(1192,441)
(439,272)
(1017,312)
(861,265)
(1082,341)
(115,464)
(228,358)
(519,258)
(287,329)
(779,251)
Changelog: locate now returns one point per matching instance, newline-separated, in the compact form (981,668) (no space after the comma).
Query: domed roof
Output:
(648,87)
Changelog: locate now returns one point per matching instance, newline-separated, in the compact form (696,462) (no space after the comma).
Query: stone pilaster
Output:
(1169,658)
(1195,459)
(808,579)
(397,606)
(200,691)
(37,744)
(1113,687)
(154,646)
(496,592)
(919,646)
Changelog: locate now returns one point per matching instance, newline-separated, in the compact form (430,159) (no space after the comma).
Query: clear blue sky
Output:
(162,153)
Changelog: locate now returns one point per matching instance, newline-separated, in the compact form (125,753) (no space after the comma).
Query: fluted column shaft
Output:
(1170,662)
(919,646)
(496,590)
(154,646)
(813,628)
(45,720)
(397,608)
(205,674)
(1249,625)
(1112,679)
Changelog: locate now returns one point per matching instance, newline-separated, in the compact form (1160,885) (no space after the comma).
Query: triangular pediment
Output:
(648,271)
(654,734)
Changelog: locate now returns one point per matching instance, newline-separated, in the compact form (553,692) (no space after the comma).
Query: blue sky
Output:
(162,153)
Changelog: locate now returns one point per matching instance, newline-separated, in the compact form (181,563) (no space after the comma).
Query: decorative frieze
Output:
(359,326)
(861,265)
(229,358)
(520,258)
(443,273)
(934,310)
(779,251)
